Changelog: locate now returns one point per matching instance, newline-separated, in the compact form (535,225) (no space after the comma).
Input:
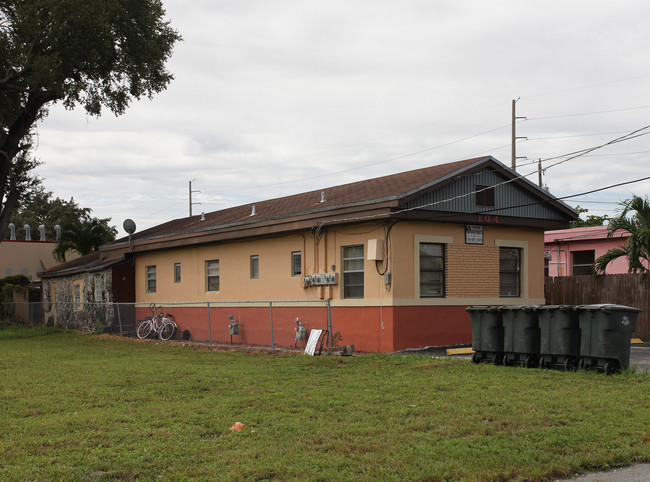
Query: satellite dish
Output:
(129,226)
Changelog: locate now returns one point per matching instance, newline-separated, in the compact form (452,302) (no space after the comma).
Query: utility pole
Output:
(514,135)
(539,172)
(191,203)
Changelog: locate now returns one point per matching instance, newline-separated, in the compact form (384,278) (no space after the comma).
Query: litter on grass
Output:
(237,427)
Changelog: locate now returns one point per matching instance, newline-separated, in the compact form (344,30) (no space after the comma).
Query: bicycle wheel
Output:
(167,330)
(143,330)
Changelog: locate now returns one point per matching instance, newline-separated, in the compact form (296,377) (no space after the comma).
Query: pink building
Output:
(570,252)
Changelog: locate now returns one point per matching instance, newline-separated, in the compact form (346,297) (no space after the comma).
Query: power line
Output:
(589,113)
(366,165)
(586,86)
(631,135)
(577,135)
(580,153)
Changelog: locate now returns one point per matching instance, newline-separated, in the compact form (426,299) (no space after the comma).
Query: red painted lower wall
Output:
(368,328)
(388,329)
(254,323)
(421,326)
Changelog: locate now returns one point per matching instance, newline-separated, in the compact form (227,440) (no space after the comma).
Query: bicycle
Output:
(163,325)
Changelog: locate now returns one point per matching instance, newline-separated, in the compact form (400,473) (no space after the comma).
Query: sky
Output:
(277,97)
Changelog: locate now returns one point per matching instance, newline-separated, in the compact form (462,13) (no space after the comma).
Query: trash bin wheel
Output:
(497,359)
(570,364)
(542,362)
(532,361)
(581,364)
(475,358)
(612,366)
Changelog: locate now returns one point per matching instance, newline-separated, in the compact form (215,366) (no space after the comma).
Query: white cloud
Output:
(322,93)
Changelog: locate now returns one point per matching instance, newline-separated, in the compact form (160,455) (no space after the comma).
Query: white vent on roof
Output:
(322,196)
(253,211)
(202,216)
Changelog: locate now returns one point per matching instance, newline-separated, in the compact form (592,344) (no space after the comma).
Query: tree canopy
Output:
(590,220)
(80,231)
(634,217)
(97,54)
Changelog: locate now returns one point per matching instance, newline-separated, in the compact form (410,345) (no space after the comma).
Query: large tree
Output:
(83,237)
(634,217)
(91,53)
(42,207)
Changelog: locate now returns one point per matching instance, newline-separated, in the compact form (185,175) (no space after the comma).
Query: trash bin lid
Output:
(521,307)
(558,307)
(609,307)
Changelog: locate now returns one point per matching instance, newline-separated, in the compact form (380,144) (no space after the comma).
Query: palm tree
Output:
(634,218)
(84,237)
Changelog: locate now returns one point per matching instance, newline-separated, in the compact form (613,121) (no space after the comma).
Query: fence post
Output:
(271,313)
(329,322)
(209,327)
(119,317)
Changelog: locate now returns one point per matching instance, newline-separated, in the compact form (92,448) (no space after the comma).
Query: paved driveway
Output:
(640,357)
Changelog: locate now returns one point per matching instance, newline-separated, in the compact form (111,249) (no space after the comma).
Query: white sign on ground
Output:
(314,336)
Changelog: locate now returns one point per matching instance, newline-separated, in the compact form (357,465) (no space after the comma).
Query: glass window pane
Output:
(432,270)
(296,263)
(212,275)
(431,249)
(353,264)
(354,252)
(151,279)
(510,272)
(353,274)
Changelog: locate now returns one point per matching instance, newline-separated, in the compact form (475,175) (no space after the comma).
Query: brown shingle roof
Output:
(369,191)
(90,262)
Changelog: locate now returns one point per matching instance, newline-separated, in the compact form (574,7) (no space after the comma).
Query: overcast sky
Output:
(277,97)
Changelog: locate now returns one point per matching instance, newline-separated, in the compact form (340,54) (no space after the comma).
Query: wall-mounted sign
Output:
(473,234)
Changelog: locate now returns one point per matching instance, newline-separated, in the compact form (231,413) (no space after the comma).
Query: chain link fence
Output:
(258,323)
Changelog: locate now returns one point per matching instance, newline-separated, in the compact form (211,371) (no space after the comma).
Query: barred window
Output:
(510,272)
(432,270)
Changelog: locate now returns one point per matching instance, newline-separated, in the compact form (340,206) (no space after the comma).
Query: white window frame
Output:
(255,266)
(150,281)
(296,263)
(347,273)
(177,272)
(212,265)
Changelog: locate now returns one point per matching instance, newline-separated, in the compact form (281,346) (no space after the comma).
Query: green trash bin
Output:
(487,333)
(605,336)
(521,336)
(559,343)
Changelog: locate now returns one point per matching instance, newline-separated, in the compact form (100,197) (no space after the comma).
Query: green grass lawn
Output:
(77,406)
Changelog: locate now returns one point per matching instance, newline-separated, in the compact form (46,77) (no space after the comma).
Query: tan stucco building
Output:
(399,257)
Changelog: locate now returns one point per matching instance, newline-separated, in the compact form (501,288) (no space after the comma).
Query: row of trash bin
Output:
(554,336)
